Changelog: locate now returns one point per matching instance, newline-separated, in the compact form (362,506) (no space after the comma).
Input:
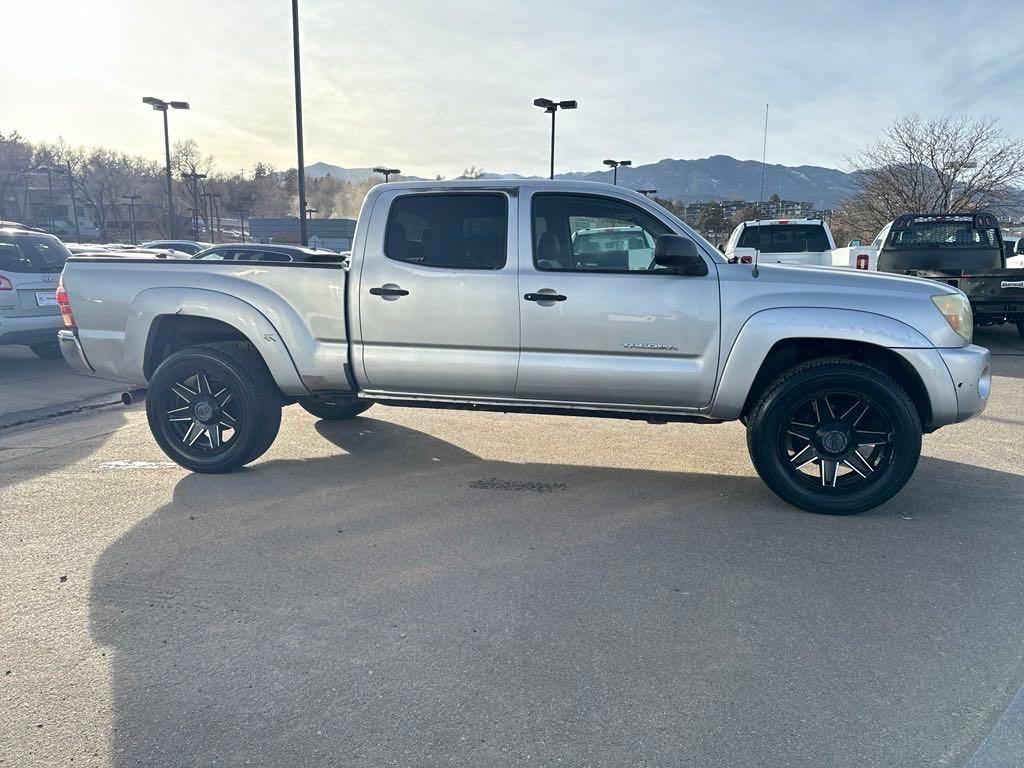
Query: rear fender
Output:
(240,315)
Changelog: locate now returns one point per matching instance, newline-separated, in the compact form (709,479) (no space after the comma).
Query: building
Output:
(771,209)
(45,202)
(335,234)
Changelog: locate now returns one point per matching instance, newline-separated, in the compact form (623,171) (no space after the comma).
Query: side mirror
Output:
(854,244)
(721,247)
(679,253)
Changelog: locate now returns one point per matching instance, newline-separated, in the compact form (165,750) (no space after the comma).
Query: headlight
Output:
(957,310)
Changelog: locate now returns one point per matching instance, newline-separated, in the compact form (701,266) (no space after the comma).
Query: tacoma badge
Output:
(642,345)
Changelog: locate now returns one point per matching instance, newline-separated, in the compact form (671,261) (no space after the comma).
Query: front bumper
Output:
(37,329)
(71,348)
(971,373)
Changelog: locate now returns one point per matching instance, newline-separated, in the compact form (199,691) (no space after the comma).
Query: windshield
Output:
(943,234)
(785,238)
(32,253)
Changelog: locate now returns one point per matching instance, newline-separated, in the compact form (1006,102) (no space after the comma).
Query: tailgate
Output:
(32,295)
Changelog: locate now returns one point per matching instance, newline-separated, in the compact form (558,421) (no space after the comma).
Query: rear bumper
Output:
(39,329)
(72,351)
(971,373)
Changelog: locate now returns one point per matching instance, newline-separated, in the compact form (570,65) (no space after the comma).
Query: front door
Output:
(617,329)
(438,312)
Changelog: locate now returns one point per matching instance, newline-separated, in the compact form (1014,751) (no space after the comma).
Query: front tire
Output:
(334,410)
(213,410)
(49,350)
(834,436)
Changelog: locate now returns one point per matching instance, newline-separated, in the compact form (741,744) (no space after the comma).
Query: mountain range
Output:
(719,177)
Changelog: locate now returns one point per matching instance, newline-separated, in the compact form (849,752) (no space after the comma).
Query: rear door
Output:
(438,310)
(30,266)
(617,330)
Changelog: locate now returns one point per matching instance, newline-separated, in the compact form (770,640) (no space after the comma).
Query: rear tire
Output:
(213,410)
(336,410)
(834,436)
(47,351)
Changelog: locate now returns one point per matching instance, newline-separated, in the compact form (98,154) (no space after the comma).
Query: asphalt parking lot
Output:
(444,588)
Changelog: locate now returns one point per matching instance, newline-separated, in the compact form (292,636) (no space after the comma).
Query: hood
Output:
(906,299)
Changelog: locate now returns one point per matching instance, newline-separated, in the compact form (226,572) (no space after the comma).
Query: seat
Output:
(548,252)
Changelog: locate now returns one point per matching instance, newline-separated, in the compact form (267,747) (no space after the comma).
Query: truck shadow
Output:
(410,602)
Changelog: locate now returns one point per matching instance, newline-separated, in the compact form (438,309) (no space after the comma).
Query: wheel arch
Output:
(773,341)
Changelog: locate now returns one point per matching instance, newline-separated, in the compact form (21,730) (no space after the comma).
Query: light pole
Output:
(131,215)
(386,172)
(551,107)
(614,165)
(162,106)
(298,123)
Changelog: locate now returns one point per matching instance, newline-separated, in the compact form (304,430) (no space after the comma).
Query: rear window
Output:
(454,231)
(32,253)
(785,238)
(943,234)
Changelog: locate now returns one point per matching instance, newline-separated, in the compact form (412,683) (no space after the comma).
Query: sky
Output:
(435,86)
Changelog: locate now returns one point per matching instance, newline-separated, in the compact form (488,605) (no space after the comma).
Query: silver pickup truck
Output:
(481,295)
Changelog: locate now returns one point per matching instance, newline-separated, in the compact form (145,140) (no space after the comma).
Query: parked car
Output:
(964,251)
(191,247)
(258,252)
(1017,260)
(30,265)
(784,241)
(475,294)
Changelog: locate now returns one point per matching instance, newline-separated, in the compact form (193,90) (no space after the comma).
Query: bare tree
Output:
(17,157)
(944,165)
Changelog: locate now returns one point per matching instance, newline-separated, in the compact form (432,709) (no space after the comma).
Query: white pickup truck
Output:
(540,297)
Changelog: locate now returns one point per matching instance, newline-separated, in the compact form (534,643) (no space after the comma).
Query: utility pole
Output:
(241,220)
(131,215)
(193,180)
(74,204)
(298,123)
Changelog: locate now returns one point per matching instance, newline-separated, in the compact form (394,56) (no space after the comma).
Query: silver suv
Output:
(30,266)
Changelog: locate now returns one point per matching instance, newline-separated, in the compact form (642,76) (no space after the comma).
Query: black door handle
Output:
(545,297)
(388,292)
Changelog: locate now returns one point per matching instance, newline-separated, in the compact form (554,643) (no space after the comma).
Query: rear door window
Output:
(451,231)
(785,238)
(943,234)
(32,254)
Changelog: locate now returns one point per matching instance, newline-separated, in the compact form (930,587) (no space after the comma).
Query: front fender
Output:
(763,330)
(200,302)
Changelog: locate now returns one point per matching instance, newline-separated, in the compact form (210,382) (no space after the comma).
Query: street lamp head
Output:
(625,162)
(610,163)
(393,171)
(154,102)
(571,104)
(380,169)
(179,105)
(543,103)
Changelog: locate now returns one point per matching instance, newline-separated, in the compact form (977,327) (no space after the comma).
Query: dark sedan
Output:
(259,252)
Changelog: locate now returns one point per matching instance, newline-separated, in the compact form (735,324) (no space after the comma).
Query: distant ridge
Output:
(719,177)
